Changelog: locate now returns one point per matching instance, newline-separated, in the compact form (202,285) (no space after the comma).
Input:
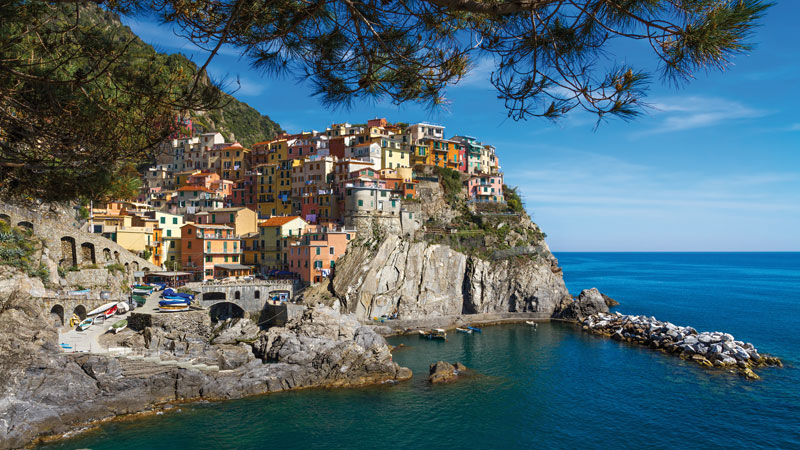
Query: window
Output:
(171,244)
(163,219)
(169,233)
(235,259)
(189,243)
(174,220)
(208,259)
(172,258)
(331,250)
(361,203)
(318,250)
(226,259)
(232,218)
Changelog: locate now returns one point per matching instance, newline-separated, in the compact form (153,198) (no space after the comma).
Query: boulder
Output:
(588,303)
(442,371)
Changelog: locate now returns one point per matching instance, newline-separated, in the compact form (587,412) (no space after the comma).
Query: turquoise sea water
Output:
(552,388)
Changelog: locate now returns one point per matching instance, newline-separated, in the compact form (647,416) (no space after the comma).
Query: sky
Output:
(714,165)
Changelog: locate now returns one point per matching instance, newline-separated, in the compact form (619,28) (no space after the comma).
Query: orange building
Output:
(204,246)
(313,257)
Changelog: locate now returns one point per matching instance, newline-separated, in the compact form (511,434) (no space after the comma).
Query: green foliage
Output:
(513,200)
(146,255)
(17,248)
(246,124)
(43,273)
(116,267)
(450,180)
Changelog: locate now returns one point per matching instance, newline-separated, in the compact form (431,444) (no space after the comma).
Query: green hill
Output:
(245,122)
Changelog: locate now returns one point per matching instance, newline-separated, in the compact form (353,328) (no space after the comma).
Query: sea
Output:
(554,387)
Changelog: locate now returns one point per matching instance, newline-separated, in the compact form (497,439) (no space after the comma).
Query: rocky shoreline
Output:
(708,349)
(48,393)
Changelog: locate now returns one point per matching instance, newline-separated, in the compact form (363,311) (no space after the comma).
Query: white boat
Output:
(531,323)
(122,308)
(86,323)
(173,308)
(464,330)
(101,308)
(118,326)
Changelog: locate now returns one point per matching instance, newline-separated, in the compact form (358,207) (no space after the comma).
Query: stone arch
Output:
(80,311)
(107,254)
(257,294)
(135,266)
(87,253)
(127,268)
(214,296)
(69,257)
(237,295)
(26,224)
(5,218)
(225,310)
(146,270)
(57,315)
(116,256)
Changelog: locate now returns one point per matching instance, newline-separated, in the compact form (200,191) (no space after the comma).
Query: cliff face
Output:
(423,280)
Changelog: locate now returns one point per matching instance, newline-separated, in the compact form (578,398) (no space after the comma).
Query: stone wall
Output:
(250,296)
(67,246)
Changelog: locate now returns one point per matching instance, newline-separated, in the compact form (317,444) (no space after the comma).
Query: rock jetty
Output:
(709,349)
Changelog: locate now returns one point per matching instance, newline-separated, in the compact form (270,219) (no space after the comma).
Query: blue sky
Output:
(714,166)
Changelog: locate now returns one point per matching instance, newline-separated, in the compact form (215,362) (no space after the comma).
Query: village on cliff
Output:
(288,207)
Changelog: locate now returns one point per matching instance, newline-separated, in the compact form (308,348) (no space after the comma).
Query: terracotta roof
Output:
(196,188)
(278,221)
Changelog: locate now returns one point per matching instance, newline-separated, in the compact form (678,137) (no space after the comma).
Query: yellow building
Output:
(233,162)
(271,236)
(242,220)
(394,154)
(251,251)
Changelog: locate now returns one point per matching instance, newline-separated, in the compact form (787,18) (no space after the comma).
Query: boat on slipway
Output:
(174,307)
(118,326)
(85,324)
(102,308)
(464,330)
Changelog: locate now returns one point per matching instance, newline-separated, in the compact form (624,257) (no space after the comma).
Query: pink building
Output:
(314,256)
(485,188)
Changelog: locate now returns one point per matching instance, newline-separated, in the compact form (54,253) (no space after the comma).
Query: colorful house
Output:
(204,246)
(313,257)
(483,188)
(272,233)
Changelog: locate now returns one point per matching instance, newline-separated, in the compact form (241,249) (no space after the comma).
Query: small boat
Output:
(169,292)
(122,308)
(143,287)
(141,292)
(102,308)
(118,326)
(140,300)
(464,330)
(110,311)
(531,323)
(100,318)
(174,308)
(436,333)
(86,323)
(474,329)
(174,302)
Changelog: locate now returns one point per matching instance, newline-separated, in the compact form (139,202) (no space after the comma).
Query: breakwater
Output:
(709,349)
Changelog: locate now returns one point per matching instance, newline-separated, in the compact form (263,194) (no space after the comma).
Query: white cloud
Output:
(679,114)
(479,75)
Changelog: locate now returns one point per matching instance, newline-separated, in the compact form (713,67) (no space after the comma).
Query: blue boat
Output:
(475,329)
(174,302)
(171,293)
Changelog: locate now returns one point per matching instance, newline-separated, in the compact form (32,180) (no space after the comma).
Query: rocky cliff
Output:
(462,259)
(44,391)
(417,279)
